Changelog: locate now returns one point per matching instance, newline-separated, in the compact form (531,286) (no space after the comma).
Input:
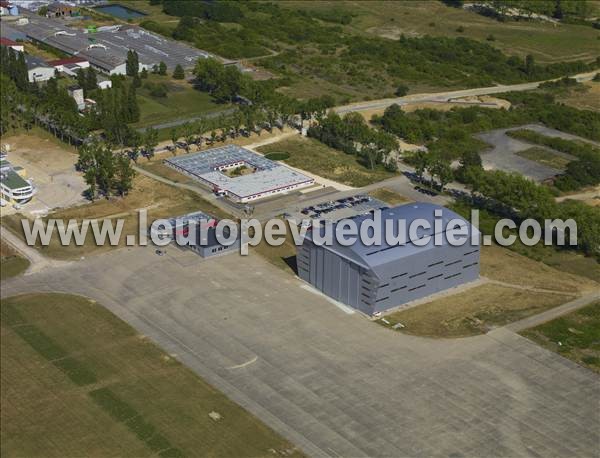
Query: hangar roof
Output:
(374,257)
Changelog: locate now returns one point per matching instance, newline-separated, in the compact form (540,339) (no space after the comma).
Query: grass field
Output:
(11,263)
(519,287)
(585,98)
(78,381)
(182,101)
(544,156)
(545,41)
(388,196)
(575,336)
(315,157)
(161,201)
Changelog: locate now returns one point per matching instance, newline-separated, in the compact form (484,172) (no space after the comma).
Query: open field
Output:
(586,99)
(544,156)
(388,196)
(78,381)
(575,336)
(11,263)
(474,311)
(545,41)
(182,101)
(519,287)
(315,157)
(159,199)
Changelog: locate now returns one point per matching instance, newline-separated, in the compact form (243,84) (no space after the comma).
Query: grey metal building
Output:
(380,277)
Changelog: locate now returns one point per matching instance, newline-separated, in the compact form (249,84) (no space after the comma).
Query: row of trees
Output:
(105,173)
(352,135)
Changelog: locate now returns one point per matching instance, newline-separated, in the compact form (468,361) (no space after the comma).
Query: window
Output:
(435,276)
(417,287)
(453,262)
(435,264)
(398,289)
(416,275)
(452,276)
(400,275)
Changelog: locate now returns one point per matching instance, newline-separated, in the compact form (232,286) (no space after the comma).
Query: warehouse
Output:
(374,279)
(107,49)
(238,173)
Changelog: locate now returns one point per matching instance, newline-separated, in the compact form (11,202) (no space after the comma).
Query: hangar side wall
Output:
(430,270)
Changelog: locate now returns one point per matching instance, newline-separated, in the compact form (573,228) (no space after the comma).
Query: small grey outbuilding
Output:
(380,277)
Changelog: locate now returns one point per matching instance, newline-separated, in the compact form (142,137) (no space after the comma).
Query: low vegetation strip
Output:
(575,336)
(47,347)
(545,157)
(123,412)
(118,412)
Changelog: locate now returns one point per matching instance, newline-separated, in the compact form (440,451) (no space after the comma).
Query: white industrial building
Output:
(264,178)
(37,69)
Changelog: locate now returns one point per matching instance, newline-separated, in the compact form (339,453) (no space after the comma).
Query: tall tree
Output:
(178,73)
(132,64)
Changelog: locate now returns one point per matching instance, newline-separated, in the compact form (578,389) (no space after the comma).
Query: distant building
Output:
(11,44)
(77,93)
(69,65)
(104,83)
(14,186)
(58,9)
(8,9)
(37,69)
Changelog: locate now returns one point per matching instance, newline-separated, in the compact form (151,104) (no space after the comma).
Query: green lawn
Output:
(545,157)
(315,157)
(575,336)
(182,101)
(78,381)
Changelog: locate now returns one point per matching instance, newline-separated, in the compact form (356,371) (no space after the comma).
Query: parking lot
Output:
(344,207)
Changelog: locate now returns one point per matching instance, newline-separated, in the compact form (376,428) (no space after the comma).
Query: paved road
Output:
(336,384)
(446,96)
(555,312)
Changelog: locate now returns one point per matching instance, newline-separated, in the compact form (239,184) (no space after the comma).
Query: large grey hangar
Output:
(375,278)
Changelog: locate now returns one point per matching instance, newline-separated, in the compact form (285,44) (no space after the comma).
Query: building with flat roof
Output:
(240,174)
(15,188)
(37,69)
(107,49)
(206,242)
(380,277)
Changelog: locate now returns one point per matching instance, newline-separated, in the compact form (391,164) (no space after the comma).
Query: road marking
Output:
(247,363)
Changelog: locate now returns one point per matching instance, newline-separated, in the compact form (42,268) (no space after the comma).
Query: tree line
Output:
(352,135)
